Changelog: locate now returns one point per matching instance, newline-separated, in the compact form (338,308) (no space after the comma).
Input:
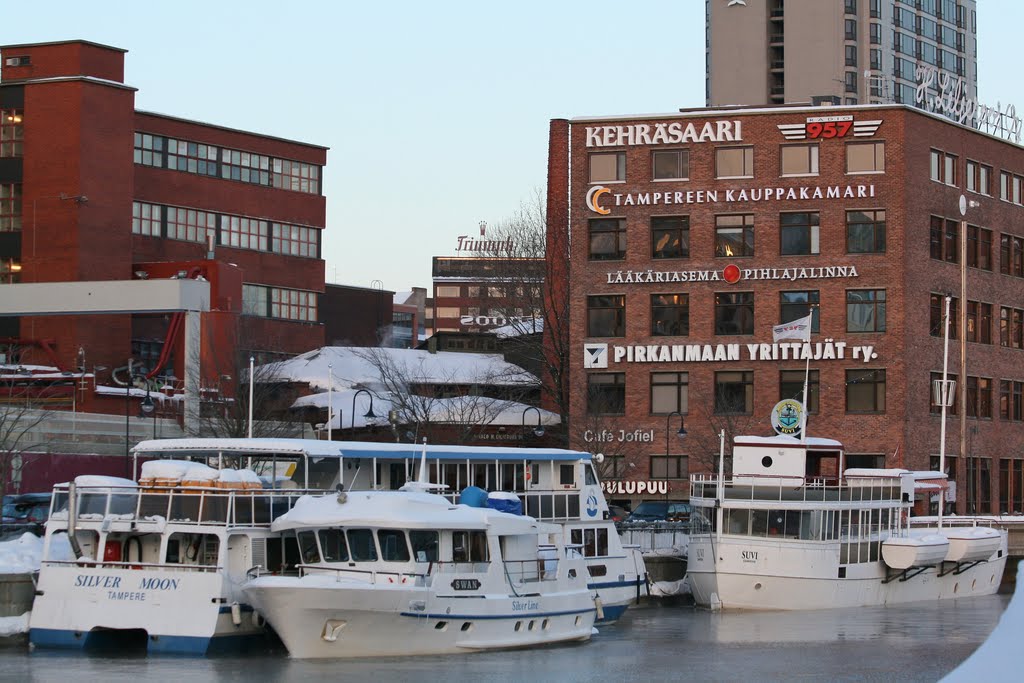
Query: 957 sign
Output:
(824,127)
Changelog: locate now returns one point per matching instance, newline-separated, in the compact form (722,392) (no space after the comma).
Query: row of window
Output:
(737,162)
(491,291)
(230,164)
(980,396)
(278,302)
(799,234)
(733,391)
(944,168)
(242,232)
(979,321)
(734,312)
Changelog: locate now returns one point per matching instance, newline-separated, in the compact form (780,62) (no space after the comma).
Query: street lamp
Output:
(682,429)
(539,429)
(369,413)
(148,408)
(971,492)
(127,420)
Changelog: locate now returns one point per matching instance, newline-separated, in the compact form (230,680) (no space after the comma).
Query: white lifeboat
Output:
(926,550)
(971,544)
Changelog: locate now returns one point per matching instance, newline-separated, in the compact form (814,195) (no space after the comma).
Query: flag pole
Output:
(803,416)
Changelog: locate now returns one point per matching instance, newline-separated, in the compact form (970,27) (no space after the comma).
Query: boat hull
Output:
(748,574)
(317,621)
(172,612)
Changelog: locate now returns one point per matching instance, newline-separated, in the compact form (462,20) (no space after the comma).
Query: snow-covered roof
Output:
(353,367)
(454,410)
(352,449)
(789,441)
(524,327)
(398,509)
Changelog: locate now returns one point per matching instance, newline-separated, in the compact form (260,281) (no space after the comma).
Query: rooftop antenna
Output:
(422,483)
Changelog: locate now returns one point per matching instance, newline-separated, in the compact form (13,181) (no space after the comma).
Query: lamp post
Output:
(148,408)
(964,204)
(127,420)
(369,413)
(539,429)
(682,428)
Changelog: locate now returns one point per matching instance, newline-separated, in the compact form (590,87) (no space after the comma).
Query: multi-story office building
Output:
(92,189)
(483,293)
(690,235)
(836,51)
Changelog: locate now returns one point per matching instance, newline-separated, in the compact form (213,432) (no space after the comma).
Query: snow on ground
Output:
(998,655)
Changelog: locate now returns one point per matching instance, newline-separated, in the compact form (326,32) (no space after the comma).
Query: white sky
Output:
(436,113)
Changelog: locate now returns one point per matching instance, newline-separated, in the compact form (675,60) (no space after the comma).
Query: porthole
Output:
(441,626)
(532,625)
(579,621)
(766,461)
(466,626)
(546,624)
(519,626)
(757,586)
(974,584)
(956,587)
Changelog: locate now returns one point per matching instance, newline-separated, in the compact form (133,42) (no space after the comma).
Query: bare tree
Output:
(536,322)
(715,413)
(424,400)
(22,398)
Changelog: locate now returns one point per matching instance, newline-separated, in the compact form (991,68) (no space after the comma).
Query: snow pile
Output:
(998,656)
(12,626)
(23,555)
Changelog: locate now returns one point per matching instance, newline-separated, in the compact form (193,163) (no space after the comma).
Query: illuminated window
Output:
(11,133)
(734,235)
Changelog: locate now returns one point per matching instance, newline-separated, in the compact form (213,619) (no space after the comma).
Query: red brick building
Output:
(92,189)
(688,236)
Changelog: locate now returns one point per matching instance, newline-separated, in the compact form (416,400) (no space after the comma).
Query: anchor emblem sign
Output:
(787,417)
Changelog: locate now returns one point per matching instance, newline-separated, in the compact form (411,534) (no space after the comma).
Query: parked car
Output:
(661,511)
(25,512)
(617,513)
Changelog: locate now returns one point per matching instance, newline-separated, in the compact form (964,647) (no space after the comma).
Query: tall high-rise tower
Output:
(836,51)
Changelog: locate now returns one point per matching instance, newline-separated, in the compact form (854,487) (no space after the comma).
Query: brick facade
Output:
(906,432)
(79,175)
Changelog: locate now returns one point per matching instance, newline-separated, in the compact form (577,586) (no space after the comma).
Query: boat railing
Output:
(655,537)
(549,505)
(523,572)
(772,488)
(191,504)
(149,566)
(373,576)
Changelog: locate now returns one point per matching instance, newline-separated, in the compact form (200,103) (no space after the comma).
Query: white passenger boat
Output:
(779,534)
(390,573)
(157,563)
(553,485)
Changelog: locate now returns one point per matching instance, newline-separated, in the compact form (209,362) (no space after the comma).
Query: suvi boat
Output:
(779,534)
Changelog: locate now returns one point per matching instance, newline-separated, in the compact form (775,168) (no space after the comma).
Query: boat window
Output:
(424,545)
(396,475)
(360,544)
(593,542)
(567,475)
(307,546)
(198,549)
(469,546)
(333,546)
(590,477)
(758,522)
(737,522)
(393,547)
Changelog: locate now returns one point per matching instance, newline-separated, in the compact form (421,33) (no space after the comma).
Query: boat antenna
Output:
(422,482)
(424,477)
